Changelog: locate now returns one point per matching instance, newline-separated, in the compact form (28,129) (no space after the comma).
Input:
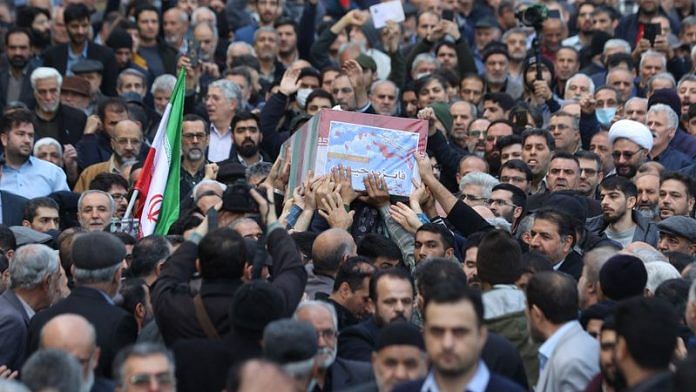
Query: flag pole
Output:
(131,203)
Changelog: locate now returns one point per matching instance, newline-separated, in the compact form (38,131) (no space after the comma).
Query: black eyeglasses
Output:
(626,154)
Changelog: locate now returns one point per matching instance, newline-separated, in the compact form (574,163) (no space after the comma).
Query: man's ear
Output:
(517,212)
(567,243)
(140,311)
(247,274)
(344,290)
(26,223)
(197,264)
(449,253)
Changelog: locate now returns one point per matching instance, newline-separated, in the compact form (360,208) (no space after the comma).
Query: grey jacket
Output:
(646,231)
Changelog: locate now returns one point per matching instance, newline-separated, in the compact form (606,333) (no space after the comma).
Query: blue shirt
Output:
(35,178)
(74,58)
(546,349)
(478,383)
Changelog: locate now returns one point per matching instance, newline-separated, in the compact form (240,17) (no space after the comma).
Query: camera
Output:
(238,199)
(533,16)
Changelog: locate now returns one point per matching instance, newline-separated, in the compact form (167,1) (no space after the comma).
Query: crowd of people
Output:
(549,243)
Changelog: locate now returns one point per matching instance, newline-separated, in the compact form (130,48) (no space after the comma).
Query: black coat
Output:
(57,57)
(12,208)
(71,124)
(344,373)
(173,302)
(572,265)
(27,93)
(115,327)
(358,342)
(502,358)
(202,364)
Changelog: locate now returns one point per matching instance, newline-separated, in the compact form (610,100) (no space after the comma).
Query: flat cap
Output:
(97,250)
(679,225)
(486,21)
(87,66)
(26,235)
(623,276)
(76,85)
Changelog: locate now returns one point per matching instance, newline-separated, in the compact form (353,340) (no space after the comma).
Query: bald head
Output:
(70,333)
(330,249)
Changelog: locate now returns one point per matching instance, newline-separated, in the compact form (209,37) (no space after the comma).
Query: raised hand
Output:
(405,216)
(343,177)
(335,213)
(290,82)
(377,191)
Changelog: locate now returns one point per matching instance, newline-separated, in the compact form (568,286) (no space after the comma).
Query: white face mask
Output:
(301,97)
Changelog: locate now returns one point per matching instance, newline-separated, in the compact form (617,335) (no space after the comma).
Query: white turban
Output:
(634,131)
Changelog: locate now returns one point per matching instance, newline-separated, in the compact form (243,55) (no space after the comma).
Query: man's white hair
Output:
(45,73)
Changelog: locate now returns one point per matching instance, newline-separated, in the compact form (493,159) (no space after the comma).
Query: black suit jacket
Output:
(12,208)
(71,125)
(27,93)
(115,327)
(357,342)
(57,57)
(345,373)
(572,265)
(495,384)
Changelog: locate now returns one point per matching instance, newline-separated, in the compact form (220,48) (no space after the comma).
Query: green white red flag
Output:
(159,181)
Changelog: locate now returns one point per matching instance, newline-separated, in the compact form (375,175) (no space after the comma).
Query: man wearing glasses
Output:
(631,141)
(508,202)
(145,367)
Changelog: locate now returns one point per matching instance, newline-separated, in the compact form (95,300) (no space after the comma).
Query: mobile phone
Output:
(448,15)
(651,31)
(194,48)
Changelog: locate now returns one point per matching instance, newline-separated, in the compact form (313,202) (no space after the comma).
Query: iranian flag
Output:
(159,181)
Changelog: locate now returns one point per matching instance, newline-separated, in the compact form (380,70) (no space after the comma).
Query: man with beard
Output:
(553,33)
(175,24)
(116,186)
(268,11)
(508,202)
(664,123)
(246,140)
(463,113)
(76,336)
(644,363)
(399,356)
(194,142)
(63,57)
(584,26)
(568,355)
(648,187)
(676,195)
(14,78)
(128,137)
(631,142)
(22,173)
(619,221)
(554,235)
(334,374)
(516,41)
(392,292)
(36,20)
(606,380)
(497,68)
(563,173)
(384,97)
(476,137)
(51,118)
(455,335)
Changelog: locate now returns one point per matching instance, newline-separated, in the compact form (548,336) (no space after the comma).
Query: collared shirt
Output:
(27,308)
(478,383)
(243,162)
(35,178)
(546,349)
(220,144)
(74,58)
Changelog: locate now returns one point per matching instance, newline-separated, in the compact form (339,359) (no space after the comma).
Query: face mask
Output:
(302,95)
(605,115)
